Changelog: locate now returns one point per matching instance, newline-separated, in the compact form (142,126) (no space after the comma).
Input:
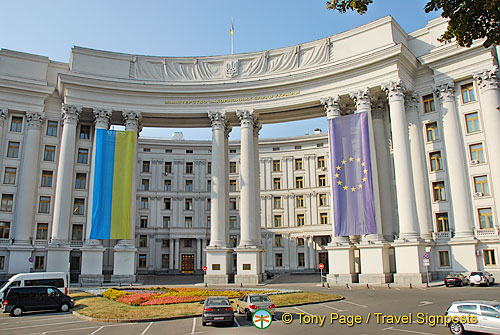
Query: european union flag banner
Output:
(350,162)
(114,159)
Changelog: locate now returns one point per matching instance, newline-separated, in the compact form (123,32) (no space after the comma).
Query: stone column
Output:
(312,252)
(92,250)
(24,217)
(59,249)
(489,94)
(203,252)
(256,130)
(198,254)
(249,269)
(177,254)
(171,253)
(125,250)
(3,116)
(218,253)
(307,264)
(419,167)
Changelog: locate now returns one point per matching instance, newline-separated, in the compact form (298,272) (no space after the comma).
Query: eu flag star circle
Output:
(357,163)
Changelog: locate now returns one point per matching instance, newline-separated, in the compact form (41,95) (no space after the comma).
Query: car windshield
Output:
(259,298)
(454,275)
(217,302)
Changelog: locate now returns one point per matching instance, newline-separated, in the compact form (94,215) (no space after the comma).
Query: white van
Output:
(57,279)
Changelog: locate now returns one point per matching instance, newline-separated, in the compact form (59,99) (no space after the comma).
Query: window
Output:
(278,258)
(299,182)
(167,185)
(321,162)
(145,185)
(277,241)
(322,181)
(277,220)
(233,222)
(209,186)
(13,150)
(146,166)
(277,183)
(188,243)
(4,229)
(444,258)
(189,186)
(143,241)
(166,222)
(188,222)
(7,200)
(232,203)
(476,153)
(276,149)
(84,132)
(49,153)
(52,128)
(232,185)
(319,145)
(146,150)
(485,218)
(232,167)
(481,185)
(165,261)
(301,260)
(324,240)
(83,156)
(79,207)
(144,203)
(143,260)
(189,151)
(277,202)
(472,122)
(300,220)
(143,222)
(233,239)
(47,178)
(209,204)
(323,199)
(16,124)
(468,93)
(232,151)
(432,132)
(299,201)
(429,105)
(167,203)
(42,231)
(323,218)
(44,205)
(442,222)
(9,176)
(298,147)
(208,221)
(81,181)
(39,262)
(436,164)
(188,204)
(438,191)
(300,242)
(276,166)
(168,167)
(298,164)
(2,262)
(77,232)
(164,244)
(189,167)
(209,167)
(489,257)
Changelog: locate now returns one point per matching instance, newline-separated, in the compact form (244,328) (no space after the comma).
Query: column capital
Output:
(34,120)
(411,101)
(132,120)
(218,119)
(332,106)
(446,91)
(102,117)
(247,117)
(70,113)
(378,110)
(257,127)
(394,90)
(3,116)
(487,79)
(362,99)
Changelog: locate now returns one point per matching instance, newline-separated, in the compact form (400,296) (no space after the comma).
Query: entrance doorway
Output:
(323,258)
(187,263)
(74,267)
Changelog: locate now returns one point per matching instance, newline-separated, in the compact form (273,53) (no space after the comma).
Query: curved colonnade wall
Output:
(433,137)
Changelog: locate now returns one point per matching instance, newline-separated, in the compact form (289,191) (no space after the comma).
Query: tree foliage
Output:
(469,19)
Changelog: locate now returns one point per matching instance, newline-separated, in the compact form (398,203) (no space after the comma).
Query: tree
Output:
(469,19)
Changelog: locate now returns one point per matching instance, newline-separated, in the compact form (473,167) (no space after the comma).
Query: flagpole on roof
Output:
(232,33)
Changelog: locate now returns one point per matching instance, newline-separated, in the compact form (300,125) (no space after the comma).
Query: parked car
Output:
(481,277)
(456,279)
(57,279)
(250,303)
(487,314)
(217,309)
(35,298)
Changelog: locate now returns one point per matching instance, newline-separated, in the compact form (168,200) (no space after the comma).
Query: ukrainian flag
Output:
(114,159)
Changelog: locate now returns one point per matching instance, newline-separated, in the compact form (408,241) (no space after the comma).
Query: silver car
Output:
(250,303)
(474,315)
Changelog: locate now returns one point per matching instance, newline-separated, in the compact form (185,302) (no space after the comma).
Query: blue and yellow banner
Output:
(114,159)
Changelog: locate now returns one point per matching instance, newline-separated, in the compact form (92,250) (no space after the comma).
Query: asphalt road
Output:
(360,301)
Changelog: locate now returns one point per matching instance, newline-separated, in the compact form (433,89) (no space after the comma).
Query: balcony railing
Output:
(487,232)
(76,243)
(40,242)
(4,241)
(441,235)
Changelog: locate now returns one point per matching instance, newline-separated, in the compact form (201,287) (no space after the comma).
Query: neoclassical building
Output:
(243,207)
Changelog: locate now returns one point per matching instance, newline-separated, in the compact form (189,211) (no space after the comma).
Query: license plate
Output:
(219,318)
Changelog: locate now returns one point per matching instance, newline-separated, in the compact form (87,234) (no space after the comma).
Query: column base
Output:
(19,258)
(123,279)
(375,278)
(124,262)
(249,267)
(58,257)
(405,279)
(409,263)
(374,261)
(463,254)
(218,265)
(91,280)
(92,259)
(341,263)
(341,279)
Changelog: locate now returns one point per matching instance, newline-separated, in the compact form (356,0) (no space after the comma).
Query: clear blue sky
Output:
(185,28)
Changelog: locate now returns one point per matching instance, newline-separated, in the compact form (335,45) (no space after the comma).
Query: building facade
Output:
(245,207)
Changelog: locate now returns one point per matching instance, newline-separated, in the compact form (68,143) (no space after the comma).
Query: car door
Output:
(242,303)
(53,298)
(489,320)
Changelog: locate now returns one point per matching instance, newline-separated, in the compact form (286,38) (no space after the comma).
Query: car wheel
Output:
(248,315)
(471,284)
(447,285)
(456,328)
(487,283)
(64,307)
(204,323)
(461,283)
(16,311)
